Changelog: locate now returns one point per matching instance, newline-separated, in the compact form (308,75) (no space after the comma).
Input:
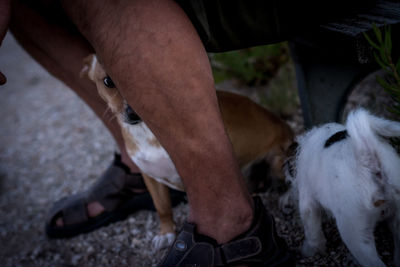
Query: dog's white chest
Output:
(151,158)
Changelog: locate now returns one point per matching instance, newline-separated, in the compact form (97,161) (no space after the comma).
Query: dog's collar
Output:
(339,136)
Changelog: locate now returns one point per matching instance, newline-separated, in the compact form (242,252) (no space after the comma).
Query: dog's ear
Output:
(88,67)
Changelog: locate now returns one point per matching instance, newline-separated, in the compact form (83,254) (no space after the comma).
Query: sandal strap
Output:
(114,185)
(188,248)
(192,251)
(241,249)
(133,180)
(75,211)
(259,246)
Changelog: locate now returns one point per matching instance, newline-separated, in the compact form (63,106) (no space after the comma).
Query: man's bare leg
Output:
(60,49)
(155,57)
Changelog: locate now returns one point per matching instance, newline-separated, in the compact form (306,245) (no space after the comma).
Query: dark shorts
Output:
(225,25)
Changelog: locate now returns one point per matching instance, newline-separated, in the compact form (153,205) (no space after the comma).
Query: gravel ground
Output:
(52,145)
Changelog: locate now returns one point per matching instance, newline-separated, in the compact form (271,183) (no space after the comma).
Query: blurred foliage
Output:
(268,67)
(251,66)
(281,96)
(382,44)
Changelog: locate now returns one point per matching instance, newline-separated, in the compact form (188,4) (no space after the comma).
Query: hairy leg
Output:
(394,224)
(311,217)
(57,45)
(359,237)
(155,57)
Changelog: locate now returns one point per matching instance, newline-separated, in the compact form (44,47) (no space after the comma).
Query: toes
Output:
(93,209)
(162,241)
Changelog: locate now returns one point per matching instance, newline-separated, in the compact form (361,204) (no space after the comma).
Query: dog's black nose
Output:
(131,116)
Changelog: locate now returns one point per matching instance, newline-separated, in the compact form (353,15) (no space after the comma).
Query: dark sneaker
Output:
(259,246)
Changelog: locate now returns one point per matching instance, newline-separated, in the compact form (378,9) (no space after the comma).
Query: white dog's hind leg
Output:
(357,233)
(310,213)
(394,225)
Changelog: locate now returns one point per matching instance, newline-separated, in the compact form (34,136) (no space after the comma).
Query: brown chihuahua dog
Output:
(257,135)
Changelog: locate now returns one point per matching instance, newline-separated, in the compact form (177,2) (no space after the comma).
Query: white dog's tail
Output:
(361,123)
(366,131)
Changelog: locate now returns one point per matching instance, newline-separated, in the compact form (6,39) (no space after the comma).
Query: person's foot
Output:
(95,208)
(117,194)
(258,246)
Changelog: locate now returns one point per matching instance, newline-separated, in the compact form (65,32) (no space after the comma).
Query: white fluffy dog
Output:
(354,174)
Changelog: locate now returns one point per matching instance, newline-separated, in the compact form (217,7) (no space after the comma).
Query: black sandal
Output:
(113,192)
(259,246)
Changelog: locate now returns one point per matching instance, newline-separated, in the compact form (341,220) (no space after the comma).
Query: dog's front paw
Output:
(309,250)
(162,241)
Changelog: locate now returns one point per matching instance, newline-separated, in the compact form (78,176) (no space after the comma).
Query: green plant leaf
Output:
(381,81)
(384,56)
(253,66)
(393,90)
(372,43)
(388,40)
(385,84)
(378,33)
(379,61)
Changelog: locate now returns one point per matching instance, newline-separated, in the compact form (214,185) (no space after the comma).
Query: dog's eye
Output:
(108,82)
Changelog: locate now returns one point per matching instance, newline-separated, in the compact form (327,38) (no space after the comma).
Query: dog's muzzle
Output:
(131,117)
